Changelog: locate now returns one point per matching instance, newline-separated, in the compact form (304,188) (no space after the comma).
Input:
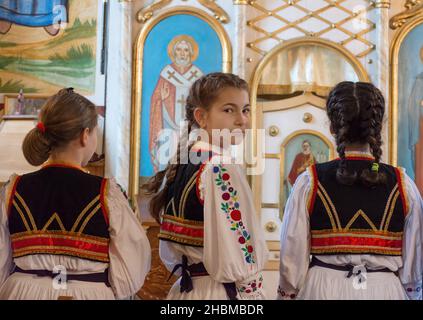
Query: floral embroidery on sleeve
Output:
(414,291)
(251,286)
(231,207)
(286,295)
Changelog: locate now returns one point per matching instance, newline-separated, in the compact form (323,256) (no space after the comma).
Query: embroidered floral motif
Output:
(286,295)
(252,286)
(230,206)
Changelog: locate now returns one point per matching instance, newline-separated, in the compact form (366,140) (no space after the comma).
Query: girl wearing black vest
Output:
(360,220)
(63,232)
(209,232)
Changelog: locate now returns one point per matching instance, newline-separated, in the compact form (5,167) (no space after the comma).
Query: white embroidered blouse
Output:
(295,244)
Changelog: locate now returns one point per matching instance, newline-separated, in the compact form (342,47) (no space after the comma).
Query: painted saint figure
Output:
(33,13)
(169,96)
(415,119)
(302,160)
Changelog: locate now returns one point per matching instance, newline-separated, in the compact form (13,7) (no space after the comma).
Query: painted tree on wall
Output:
(48,44)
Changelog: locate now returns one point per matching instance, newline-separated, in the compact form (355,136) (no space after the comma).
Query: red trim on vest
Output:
(183,230)
(66,244)
(322,243)
(401,190)
(314,191)
(12,195)
(197,181)
(357,158)
(102,201)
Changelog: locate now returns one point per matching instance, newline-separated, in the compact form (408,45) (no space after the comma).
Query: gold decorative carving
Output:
(414,8)
(270,205)
(307,117)
(319,14)
(273,131)
(404,28)
(147,12)
(271,226)
(219,13)
(382,4)
(411,3)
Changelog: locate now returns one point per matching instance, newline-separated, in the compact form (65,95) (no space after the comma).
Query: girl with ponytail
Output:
(359,219)
(61,219)
(209,233)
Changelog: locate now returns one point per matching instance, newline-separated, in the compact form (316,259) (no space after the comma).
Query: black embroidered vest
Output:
(59,210)
(356,219)
(183,217)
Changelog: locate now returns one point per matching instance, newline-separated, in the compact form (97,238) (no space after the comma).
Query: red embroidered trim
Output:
(366,158)
(197,182)
(314,191)
(102,201)
(285,295)
(63,243)
(12,195)
(401,190)
(182,230)
(318,243)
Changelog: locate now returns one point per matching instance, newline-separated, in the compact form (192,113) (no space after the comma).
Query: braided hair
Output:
(202,94)
(356,111)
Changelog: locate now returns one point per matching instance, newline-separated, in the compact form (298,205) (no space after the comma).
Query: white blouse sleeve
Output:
(234,246)
(295,240)
(129,251)
(412,251)
(6,261)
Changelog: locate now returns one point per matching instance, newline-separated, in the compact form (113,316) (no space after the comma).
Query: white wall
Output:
(118,97)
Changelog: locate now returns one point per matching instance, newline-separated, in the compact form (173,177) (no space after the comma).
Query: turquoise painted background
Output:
(155,58)
(409,67)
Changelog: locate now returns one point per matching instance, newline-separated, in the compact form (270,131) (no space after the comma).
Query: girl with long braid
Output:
(358,219)
(209,233)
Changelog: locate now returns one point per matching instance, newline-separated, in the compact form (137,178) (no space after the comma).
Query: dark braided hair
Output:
(355,111)
(202,94)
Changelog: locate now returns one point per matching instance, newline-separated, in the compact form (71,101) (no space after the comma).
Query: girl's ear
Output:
(331,130)
(200,116)
(84,137)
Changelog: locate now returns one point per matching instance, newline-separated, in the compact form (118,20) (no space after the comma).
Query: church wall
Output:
(249,29)
(34,46)
(374,23)
(118,97)
(245,57)
(98,95)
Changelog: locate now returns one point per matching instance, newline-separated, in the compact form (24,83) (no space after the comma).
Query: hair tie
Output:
(41,127)
(375,167)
